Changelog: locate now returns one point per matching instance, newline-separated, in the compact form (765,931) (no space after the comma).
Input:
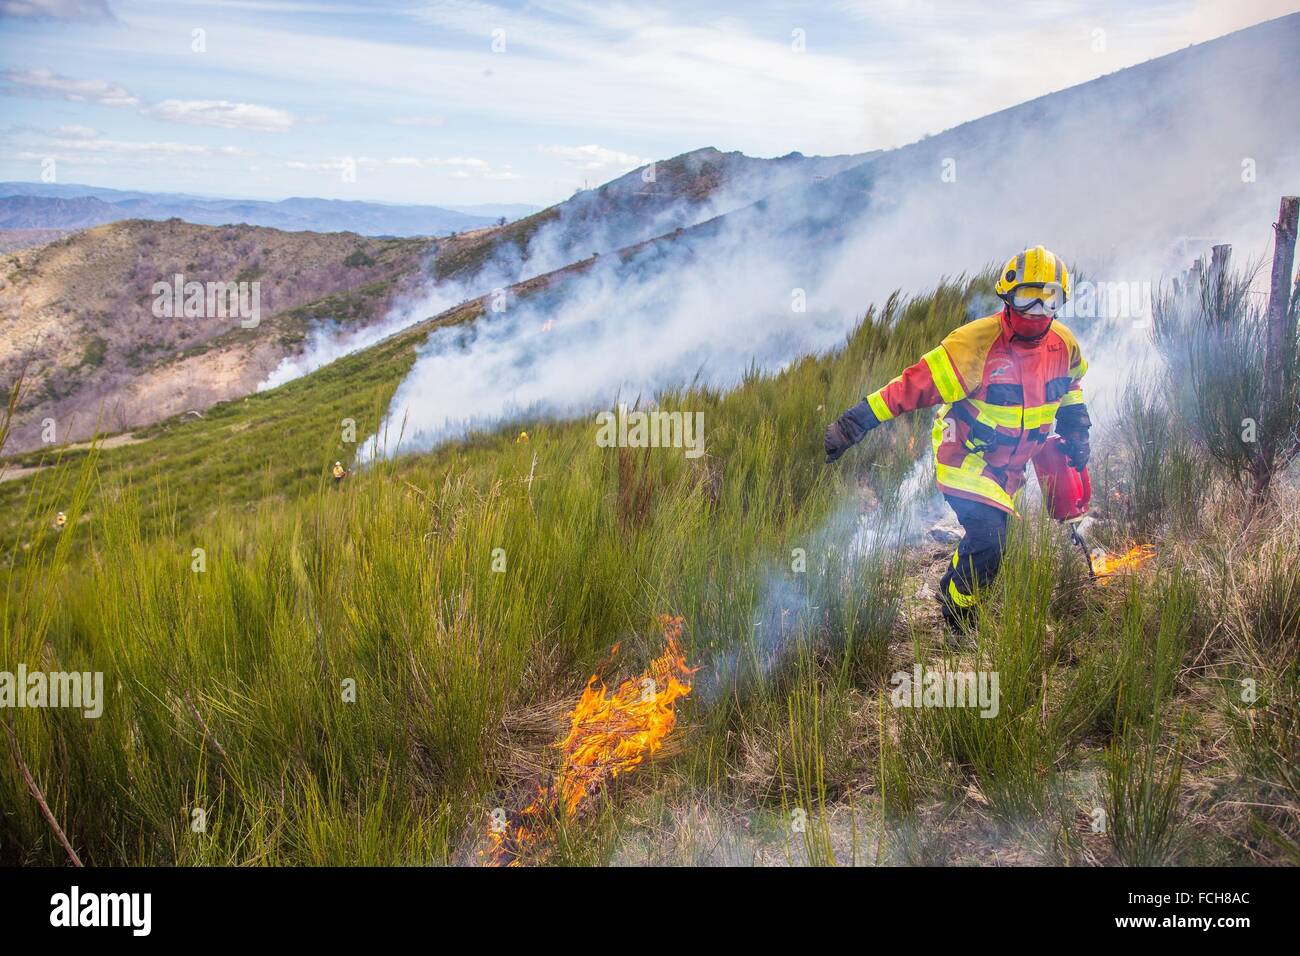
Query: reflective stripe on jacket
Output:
(998,399)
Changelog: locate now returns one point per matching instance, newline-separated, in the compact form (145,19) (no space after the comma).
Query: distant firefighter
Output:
(522,439)
(339,472)
(60,521)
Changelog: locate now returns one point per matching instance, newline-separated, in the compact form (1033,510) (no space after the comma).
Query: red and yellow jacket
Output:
(999,398)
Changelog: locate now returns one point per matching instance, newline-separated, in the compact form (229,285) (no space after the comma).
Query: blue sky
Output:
(468,102)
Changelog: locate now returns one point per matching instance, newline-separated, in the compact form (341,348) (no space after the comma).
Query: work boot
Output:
(960,621)
(958,618)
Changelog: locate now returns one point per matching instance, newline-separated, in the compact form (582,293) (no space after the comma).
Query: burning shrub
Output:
(609,734)
(1105,566)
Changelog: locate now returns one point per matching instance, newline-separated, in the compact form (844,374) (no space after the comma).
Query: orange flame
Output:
(609,734)
(1106,565)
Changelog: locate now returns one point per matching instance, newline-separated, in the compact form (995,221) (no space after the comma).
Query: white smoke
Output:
(606,336)
(627,211)
(1115,175)
(846,544)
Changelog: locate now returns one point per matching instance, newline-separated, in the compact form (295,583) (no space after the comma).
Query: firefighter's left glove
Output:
(1072,424)
(849,429)
(1078,450)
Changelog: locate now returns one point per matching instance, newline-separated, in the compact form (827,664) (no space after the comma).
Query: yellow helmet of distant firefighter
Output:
(1034,284)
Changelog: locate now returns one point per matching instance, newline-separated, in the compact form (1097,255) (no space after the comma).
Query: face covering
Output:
(1028,327)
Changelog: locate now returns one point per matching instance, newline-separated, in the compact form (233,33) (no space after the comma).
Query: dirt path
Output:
(14,473)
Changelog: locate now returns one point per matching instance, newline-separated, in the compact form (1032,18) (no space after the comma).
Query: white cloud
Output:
(455,167)
(223,114)
(57,9)
(427,121)
(462,165)
(46,84)
(76,131)
(595,157)
(162,148)
(335,165)
(80,150)
(72,159)
(472,161)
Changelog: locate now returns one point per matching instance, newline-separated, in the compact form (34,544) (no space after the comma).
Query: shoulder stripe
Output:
(968,346)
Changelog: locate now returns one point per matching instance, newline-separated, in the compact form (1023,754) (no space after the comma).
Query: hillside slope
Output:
(78,315)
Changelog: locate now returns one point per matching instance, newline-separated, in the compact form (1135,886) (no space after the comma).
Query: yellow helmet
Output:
(1034,266)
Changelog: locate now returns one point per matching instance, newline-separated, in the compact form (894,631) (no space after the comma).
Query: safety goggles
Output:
(1038,299)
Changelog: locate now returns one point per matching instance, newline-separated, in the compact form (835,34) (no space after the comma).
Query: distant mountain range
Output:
(72,206)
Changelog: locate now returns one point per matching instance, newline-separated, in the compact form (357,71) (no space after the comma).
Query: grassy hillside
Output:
(368,673)
(278,441)
(270,443)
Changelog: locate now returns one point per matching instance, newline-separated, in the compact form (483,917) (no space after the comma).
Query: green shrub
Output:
(95,351)
(1214,343)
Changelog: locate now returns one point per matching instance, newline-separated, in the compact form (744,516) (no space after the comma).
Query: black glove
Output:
(849,429)
(1072,424)
(837,443)
(1077,449)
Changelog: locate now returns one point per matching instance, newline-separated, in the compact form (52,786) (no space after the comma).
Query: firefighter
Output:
(339,472)
(60,521)
(1002,383)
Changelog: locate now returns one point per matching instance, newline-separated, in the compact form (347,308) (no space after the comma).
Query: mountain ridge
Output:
(47,205)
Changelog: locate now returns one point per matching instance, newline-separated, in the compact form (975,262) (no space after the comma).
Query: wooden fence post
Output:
(1279,289)
(1281,329)
(1220,256)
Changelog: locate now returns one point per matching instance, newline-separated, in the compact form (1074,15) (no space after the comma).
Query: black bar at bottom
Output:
(335,905)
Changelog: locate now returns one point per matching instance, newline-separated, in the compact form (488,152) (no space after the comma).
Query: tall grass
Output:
(327,678)
(1243,412)
(360,673)
(1163,472)
(1142,788)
